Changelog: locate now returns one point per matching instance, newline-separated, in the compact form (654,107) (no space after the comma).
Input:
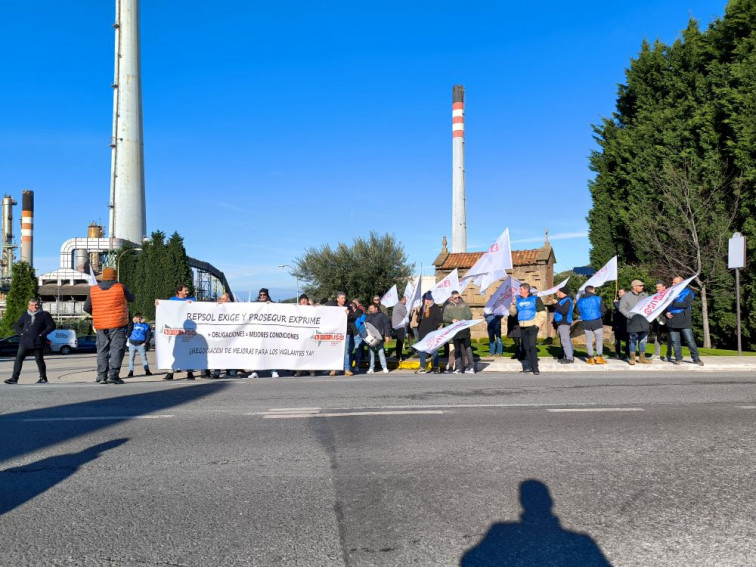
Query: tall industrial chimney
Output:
(459,223)
(128,217)
(7,238)
(27,227)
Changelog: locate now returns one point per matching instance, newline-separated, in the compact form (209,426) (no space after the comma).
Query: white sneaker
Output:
(385,370)
(470,371)
(370,371)
(274,374)
(457,372)
(254,375)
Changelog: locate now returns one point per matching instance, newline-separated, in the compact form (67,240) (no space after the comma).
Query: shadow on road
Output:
(537,540)
(28,431)
(21,484)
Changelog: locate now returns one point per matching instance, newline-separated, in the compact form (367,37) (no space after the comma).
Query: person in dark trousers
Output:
(108,303)
(619,326)
(398,314)
(431,319)
(531,314)
(679,322)
(458,310)
(637,325)
(562,322)
(33,326)
(381,322)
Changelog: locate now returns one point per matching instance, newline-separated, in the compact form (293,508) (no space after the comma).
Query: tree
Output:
(367,267)
(23,287)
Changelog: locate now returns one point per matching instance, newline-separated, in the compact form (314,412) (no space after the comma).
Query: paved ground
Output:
(651,467)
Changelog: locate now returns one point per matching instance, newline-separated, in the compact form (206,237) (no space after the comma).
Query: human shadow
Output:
(29,431)
(21,484)
(189,346)
(537,540)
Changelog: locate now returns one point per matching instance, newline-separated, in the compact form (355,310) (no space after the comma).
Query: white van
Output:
(63,341)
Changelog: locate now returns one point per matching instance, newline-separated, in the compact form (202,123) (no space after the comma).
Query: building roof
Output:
(465,260)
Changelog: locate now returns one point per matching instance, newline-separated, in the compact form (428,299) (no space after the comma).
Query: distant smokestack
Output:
(128,217)
(27,227)
(459,223)
(7,237)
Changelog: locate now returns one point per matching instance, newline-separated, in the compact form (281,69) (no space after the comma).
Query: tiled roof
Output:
(467,259)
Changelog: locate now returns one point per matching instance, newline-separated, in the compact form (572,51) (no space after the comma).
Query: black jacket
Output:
(380,322)
(432,322)
(34,335)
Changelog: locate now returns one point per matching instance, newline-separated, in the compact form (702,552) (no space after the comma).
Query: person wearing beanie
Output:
(108,303)
(33,327)
(458,310)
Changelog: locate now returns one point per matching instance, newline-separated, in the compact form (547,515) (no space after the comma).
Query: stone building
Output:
(535,267)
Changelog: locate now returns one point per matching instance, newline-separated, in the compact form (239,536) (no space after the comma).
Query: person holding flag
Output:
(637,324)
(563,322)
(531,314)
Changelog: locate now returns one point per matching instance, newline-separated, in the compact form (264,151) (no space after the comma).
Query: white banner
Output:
(435,340)
(499,302)
(551,290)
(443,289)
(652,306)
(605,274)
(391,297)
(256,336)
(415,299)
(492,265)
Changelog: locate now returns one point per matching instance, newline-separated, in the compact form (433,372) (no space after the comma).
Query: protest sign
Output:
(652,306)
(499,302)
(436,339)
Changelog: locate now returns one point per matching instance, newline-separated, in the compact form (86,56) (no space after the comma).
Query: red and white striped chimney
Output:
(27,227)
(459,223)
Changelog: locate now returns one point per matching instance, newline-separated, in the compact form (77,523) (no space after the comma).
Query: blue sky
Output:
(270,128)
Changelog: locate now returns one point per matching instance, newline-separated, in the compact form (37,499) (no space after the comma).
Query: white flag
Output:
(415,299)
(551,290)
(492,265)
(652,306)
(409,289)
(443,289)
(499,302)
(605,274)
(436,339)
(391,297)
(92,278)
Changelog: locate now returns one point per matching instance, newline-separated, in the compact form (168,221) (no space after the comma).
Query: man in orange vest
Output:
(108,303)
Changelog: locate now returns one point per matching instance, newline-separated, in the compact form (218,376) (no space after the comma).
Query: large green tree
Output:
(367,267)
(675,168)
(23,287)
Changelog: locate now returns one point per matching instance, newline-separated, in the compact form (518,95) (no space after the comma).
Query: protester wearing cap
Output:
(637,325)
(33,327)
(563,322)
(108,303)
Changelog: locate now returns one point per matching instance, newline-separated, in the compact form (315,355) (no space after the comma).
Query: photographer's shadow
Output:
(537,540)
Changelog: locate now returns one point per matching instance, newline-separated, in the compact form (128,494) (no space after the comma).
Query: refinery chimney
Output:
(27,227)
(459,223)
(7,238)
(128,217)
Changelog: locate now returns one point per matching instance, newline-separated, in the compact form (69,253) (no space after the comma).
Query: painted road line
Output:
(293,410)
(746,407)
(97,418)
(565,410)
(348,414)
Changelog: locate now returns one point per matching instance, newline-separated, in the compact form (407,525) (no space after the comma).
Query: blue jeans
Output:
(424,355)
(133,350)
(494,337)
(353,352)
(674,335)
(381,356)
(639,338)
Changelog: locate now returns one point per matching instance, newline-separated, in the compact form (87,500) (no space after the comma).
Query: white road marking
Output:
(564,410)
(746,407)
(97,418)
(348,414)
(293,410)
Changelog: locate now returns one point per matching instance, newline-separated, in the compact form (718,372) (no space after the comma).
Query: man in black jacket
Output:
(33,326)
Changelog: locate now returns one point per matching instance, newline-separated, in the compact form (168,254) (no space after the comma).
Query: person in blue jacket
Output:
(138,338)
(562,322)
(680,322)
(591,309)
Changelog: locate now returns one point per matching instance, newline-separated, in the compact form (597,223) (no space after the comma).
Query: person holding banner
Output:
(531,315)
(400,329)
(637,324)
(458,310)
(591,310)
(431,319)
(563,322)
(679,322)
(182,294)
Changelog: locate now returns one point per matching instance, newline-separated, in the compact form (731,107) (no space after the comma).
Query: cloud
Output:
(555,236)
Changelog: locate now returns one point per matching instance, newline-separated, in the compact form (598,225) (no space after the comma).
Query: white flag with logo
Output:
(443,289)
(436,339)
(391,297)
(415,299)
(551,290)
(652,306)
(607,273)
(499,302)
(492,265)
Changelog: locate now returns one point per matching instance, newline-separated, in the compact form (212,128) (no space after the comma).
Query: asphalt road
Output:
(404,469)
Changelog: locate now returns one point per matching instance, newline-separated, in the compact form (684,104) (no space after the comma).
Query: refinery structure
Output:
(63,291)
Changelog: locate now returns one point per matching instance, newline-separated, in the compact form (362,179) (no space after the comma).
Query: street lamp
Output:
(118,262)
(295,275)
